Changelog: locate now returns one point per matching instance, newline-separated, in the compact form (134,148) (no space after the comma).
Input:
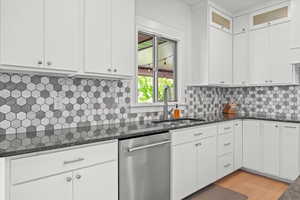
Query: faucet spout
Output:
(166,106)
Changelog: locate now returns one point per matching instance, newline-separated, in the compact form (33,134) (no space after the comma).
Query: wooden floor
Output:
(254,186)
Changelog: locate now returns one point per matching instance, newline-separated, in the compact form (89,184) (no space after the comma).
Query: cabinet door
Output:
(220,57)
(252,151)
(259,56)
(184,180)
(289,151)
(123,37)
(62,34)
(22,32)
(270,134)
(240,58)
(238,145)
(279,53)
(98,36)
(98,182)
(206,161)
(295,13)
(54,187)
(220,21)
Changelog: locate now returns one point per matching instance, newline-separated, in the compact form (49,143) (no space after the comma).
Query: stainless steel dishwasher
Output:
(144,168)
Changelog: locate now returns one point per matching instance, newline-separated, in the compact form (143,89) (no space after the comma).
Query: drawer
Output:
(225,144)
(225,165)
(192,134)
(225,127)
(29,168)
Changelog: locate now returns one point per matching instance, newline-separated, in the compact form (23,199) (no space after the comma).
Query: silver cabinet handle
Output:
(78,176)
(148,146)
(227,128)
(109,70)
(40,62)
(226,166)
(199,144)
(198,134)
(49,63)
(227,144)
(222,81)
(293,127)
(73,161)
(69,179)
(115,70)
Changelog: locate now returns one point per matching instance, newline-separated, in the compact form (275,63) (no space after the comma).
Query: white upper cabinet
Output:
(62,34)
(41,34)
(22,33)
(98,36)
(241,24)
(110,37)
(123,37)
(295,30)
(259,56)
(241,58)
(270,16)
(220,20)
(220,57)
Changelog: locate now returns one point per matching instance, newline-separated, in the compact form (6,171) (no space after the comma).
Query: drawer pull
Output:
(73,161)
(226,166)
(293,127)
(227,128)
(198,134)
(78,176)
(69,179)
(227,144)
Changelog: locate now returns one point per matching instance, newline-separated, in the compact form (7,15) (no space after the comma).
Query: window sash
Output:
(155,62)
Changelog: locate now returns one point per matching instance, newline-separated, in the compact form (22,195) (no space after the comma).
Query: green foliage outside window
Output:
(145,88)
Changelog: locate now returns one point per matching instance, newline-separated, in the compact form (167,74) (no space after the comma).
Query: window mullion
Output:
(155,70)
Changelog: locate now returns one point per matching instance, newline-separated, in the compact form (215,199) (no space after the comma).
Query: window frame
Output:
(155,61)
(156,28)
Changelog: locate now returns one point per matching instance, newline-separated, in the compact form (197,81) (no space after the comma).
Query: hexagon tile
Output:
(31,103)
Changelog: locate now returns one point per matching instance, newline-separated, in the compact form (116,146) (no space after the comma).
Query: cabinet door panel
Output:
(270,133)
(252,152)
(206,161)
(220,57)
(62,34)
(238,145)
(98,182)
(123,37)
(98,36)
(295,7)
(184,180)
(289,151)
(280,49)
(241,58)
(51,188)
(259,56)
(22,32)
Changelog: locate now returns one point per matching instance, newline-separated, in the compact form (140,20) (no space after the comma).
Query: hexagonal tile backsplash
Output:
(30,103)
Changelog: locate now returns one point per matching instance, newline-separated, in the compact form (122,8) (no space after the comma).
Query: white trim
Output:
(3,176)
(162,30)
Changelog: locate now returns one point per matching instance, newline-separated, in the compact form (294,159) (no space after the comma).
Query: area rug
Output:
(215,192)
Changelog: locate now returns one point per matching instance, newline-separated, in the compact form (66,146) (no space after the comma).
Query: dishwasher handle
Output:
(148,146)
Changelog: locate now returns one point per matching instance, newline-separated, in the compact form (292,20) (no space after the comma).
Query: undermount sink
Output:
(180,120)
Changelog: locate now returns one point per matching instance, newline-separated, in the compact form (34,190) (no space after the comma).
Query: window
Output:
(157,67)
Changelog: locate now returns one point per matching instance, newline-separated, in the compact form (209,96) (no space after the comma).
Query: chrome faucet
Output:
(167,93)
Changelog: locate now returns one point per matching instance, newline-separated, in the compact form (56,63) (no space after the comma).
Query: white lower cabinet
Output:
(289,151)
(57,187)
(238,144)
(252,152)
(194,162)
(272,148)
(81,178)
(225,165)
(206,161)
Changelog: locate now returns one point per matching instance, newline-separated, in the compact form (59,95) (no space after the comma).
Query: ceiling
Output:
(234,6)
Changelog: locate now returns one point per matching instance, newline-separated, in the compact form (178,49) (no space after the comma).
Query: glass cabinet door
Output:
(221,21)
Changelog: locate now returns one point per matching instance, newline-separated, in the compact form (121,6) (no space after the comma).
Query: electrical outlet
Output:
(58,103)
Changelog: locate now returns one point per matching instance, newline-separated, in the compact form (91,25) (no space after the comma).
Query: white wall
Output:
(174,14)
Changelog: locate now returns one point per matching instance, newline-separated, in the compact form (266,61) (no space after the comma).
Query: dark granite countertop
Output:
(22,143)
(293,192)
